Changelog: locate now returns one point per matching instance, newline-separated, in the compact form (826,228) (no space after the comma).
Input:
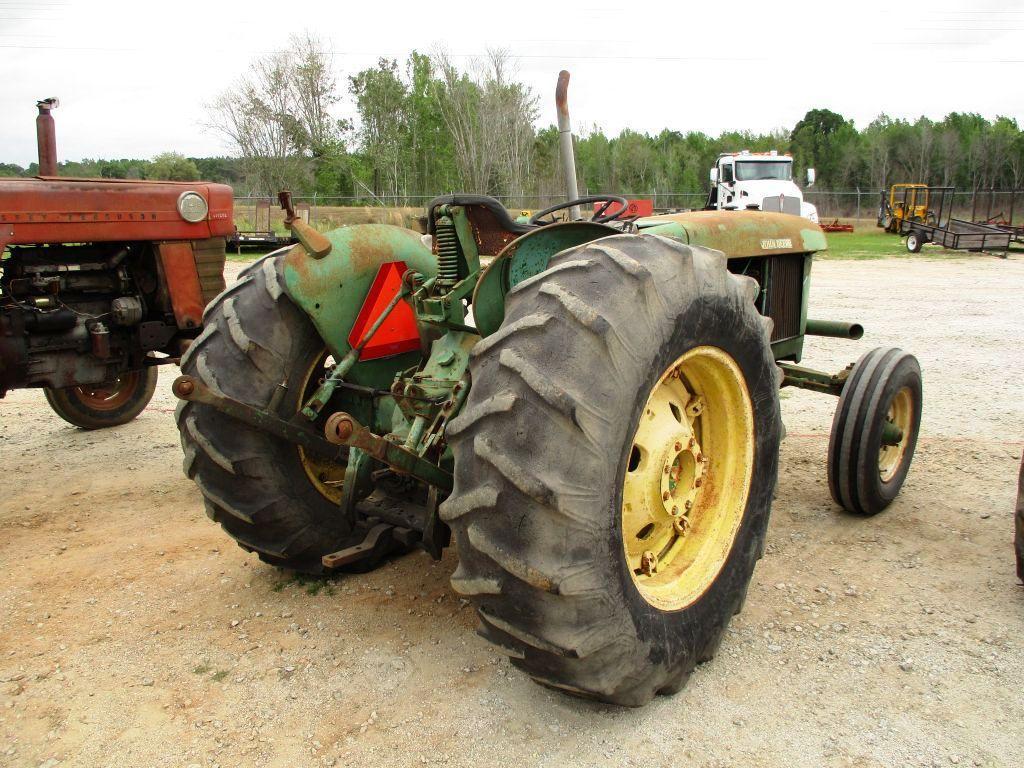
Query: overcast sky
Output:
(132,77)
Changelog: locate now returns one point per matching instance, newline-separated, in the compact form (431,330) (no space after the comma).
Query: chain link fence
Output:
(262,213)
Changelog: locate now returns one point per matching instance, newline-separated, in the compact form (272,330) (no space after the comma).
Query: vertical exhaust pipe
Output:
(565,148)
(46,137)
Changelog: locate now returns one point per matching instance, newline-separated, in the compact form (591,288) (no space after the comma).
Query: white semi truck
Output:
(758,181)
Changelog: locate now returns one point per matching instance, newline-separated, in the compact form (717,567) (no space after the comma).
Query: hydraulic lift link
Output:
(358,436)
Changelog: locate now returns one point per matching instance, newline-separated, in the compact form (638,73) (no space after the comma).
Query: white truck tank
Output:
(758,181)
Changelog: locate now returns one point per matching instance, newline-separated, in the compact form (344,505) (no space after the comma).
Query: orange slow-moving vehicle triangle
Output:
(398,333)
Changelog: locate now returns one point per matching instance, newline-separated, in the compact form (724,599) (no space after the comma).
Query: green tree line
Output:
(426,126)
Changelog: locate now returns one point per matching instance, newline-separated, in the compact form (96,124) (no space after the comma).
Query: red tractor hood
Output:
(66,210)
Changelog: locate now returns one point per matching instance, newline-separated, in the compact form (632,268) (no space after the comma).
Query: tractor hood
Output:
(739,233)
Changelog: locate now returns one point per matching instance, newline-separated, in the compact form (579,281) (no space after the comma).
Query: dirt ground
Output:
(134,633)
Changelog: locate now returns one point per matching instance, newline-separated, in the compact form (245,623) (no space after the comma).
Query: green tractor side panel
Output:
(739,233)
(331,290)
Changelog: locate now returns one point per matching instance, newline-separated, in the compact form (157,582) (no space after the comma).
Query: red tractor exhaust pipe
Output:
(46,137)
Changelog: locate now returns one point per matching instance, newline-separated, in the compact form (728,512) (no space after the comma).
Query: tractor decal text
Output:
(772,244)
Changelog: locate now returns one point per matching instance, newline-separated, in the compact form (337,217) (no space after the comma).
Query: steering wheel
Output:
(600,215)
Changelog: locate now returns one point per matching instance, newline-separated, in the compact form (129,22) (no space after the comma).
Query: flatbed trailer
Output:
(259,240)
(948,232)
(994,217)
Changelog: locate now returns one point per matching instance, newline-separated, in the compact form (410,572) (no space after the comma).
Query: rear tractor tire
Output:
(874,431)
(111,404)
(614,466)
(266,493)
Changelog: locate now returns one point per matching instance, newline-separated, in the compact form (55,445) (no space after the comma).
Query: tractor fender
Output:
(526,257)
(332,290)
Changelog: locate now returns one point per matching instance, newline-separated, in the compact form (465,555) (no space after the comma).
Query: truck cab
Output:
(760,181)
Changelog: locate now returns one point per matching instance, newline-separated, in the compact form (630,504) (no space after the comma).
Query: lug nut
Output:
(666,496)
(697,483)
(675,511)
(679,446)
(649,563)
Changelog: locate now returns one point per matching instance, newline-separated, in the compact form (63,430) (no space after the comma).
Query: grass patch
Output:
(202,669)
(313,585)
(282,584)
(219,676)
(876,244)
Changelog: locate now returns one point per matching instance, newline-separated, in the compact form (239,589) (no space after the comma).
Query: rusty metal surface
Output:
(332,290)
(374,538)
(46,138)
(183,286)
(194,390)
(55,210)
(490,236)
(343,430)
(743,233)
(315,243)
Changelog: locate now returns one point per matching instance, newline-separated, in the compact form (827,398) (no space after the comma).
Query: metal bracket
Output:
(377,542)
(816,381)
(191,389)
(343,429)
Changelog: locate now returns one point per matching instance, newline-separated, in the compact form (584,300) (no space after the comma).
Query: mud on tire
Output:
(542,445)
(254,339)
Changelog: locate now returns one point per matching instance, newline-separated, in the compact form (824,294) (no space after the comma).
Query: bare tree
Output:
(490,117)
(278,116)
(316,92)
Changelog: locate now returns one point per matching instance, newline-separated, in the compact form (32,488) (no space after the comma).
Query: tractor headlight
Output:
(192,207)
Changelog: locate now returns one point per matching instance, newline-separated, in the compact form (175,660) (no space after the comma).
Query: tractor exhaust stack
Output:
(565,143)
(46,137)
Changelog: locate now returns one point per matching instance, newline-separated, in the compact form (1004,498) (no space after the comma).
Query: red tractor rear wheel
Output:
(115,402)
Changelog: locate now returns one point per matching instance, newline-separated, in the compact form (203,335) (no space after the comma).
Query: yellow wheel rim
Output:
(687,478)
(901,416)
(327,477)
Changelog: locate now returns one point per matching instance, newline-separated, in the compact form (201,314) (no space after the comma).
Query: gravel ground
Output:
(134,633)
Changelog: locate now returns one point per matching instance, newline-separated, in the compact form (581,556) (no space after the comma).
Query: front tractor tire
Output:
(269,496)
(111,404)
(874,431)
(614,466)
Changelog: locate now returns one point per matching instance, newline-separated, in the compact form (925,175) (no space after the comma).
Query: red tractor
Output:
(101,280)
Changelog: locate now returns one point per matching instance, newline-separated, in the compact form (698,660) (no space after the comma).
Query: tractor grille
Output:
(210,257)
(785,293)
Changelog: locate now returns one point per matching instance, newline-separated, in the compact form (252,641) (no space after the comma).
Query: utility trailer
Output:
(1001,219)
(944,230)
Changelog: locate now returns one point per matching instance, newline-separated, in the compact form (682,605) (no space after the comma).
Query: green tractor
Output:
(590,408)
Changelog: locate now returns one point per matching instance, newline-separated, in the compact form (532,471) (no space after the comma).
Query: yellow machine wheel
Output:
(688,476)
(614,466)
(328,477)
(874,431)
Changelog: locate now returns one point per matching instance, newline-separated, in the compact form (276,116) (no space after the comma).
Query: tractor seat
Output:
(498,211)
